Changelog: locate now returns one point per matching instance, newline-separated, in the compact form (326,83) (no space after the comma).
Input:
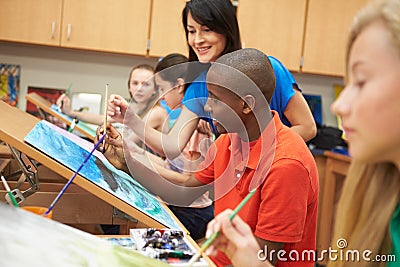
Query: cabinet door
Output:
(167,34)
(326,34)
(31,21)
(274,27)
(106,25)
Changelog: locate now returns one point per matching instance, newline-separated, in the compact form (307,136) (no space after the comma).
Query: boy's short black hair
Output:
(240,70)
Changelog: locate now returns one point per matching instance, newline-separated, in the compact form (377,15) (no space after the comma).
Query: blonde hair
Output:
(369,197)
(371,190)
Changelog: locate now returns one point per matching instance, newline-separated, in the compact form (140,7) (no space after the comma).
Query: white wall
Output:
(52,67)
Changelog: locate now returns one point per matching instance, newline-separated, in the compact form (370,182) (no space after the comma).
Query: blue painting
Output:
(70,150)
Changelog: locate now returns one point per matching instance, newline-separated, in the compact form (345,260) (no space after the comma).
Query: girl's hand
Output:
(64,102)
(236,241)
(117,107)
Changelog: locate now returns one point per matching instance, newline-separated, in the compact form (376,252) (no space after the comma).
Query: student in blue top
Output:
(368,213)
(211,31)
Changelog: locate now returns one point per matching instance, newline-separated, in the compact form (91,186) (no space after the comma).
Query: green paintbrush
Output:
(211,239)
(10,194)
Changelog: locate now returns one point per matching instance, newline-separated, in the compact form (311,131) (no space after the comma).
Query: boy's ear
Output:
(249,103)
(181,85)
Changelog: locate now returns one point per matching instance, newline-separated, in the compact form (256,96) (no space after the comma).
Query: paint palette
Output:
(167,245)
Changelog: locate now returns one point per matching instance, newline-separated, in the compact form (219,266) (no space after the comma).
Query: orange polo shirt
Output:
(284,208)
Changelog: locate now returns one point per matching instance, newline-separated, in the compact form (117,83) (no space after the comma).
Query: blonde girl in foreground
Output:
(368,214)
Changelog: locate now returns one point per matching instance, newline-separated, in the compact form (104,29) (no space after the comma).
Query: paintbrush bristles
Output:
(105,117)
(105,107)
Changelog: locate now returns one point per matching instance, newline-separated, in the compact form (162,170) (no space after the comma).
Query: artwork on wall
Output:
(71,150)
(9,83)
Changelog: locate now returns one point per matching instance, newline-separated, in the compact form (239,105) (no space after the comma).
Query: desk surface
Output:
(337,156)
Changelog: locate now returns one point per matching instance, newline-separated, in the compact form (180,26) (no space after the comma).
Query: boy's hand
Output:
(112,149)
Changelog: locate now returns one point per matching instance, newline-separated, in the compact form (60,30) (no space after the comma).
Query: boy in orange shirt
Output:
(256,149)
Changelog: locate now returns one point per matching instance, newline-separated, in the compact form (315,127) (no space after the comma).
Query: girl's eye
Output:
(191,31)
(359,84)
(213,100)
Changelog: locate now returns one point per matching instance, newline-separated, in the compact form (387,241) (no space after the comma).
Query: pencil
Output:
(211,239)
(105,116)
(10,194)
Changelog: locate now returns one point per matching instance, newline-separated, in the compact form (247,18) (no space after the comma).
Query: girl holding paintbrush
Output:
(142,92)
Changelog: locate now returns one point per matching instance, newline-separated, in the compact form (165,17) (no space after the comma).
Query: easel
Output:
(14,126)
(44,107)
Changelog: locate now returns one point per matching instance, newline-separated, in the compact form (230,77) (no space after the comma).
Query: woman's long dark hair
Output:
(218,16)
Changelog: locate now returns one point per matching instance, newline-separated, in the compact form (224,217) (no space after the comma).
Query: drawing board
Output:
(53,110)
(143,206)
(70,150)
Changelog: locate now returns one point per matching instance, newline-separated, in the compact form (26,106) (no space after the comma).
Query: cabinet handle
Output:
(53,29)
(68,31)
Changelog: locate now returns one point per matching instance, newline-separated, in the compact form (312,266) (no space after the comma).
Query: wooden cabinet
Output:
(36,21)
(167,34)
(105,25)
(306,35)
(274,27)
(326,35)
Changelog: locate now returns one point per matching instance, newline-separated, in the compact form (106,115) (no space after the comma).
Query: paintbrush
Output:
(211,239)
(105,116)
(10,194)
(73,177)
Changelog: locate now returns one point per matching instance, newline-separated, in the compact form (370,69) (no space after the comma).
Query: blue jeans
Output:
(194,219)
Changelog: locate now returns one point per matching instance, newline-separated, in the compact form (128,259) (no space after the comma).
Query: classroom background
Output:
(88,71)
